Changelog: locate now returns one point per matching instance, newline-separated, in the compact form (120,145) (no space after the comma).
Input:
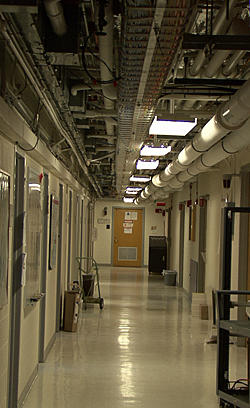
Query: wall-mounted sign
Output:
(131,215)
(103,220)
(128,224)
(127,230)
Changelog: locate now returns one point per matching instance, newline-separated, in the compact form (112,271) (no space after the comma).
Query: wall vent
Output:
(127,253)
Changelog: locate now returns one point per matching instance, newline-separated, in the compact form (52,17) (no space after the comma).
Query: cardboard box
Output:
(71,311)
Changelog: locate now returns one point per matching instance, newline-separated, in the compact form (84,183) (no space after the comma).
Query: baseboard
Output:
(27,387)
(49,346)
(186,294)
(104,264)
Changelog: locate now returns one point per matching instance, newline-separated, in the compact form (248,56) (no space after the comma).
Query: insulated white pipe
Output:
(106,54)
(230,116)
(231,144)
(238,27)
(220,24)
(233,61)
(54,11)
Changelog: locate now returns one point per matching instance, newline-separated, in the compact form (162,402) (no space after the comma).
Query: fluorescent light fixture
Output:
(147,164)
(155,151)
(171,127)
(133,189)
(128,199)
(140,179)
(131,192)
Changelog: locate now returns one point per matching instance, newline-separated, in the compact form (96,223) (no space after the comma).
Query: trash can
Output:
(169,277)
(88,281)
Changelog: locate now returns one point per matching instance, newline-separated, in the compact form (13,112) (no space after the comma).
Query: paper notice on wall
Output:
(127,230)
(131,215)
(128,224)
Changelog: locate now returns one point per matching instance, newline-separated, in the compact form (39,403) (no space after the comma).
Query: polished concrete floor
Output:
(144,350)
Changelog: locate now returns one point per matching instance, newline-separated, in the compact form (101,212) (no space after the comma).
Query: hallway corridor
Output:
(144,350)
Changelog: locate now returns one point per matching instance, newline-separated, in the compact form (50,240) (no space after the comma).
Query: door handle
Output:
(115,241)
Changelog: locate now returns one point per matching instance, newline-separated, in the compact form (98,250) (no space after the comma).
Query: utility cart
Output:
(88,274)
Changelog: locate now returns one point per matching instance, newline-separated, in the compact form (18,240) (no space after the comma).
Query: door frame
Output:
(202,247)
(44,263)
(70,209)
(181,244)
(16,281)
(243,240)
(143,232)
(59,262)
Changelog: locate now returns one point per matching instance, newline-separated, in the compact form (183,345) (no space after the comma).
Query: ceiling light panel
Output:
(140,179)
(155,151)
(147,164)
(171,127)
(128,199)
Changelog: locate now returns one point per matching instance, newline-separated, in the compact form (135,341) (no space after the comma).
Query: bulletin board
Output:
(53,231)
(33,235)
(4,236)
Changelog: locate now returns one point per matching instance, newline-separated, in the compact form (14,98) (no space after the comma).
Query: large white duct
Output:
(54,11)
(106,55)
(231,144)
(233,61)
(238,27)
(219,26)
(231,116)
(172,169)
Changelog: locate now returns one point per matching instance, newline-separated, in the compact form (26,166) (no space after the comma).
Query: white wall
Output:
(103,243)
(210,184)
(13,129)
(7,166)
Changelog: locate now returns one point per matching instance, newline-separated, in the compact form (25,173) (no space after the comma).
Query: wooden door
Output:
(127,244)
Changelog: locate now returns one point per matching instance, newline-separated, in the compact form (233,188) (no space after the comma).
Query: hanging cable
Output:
(35,130)
(96,80)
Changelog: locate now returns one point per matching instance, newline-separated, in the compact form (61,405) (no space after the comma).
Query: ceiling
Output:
(89,76)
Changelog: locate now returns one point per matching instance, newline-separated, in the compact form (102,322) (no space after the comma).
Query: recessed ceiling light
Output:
(133,189)
(171,127)
(140,179)
(147,164)
(155,151)
(128,199)
(132,192)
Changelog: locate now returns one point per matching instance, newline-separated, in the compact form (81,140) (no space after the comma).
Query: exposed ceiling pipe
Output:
(233,61)
(219,26)
(55,13)
(104,148)
(238,27)
(106,46)
(96,114)
(84,87)
(108,137)
(103,157)
(193,96)
(230,117)
(231,144)
(47,103)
